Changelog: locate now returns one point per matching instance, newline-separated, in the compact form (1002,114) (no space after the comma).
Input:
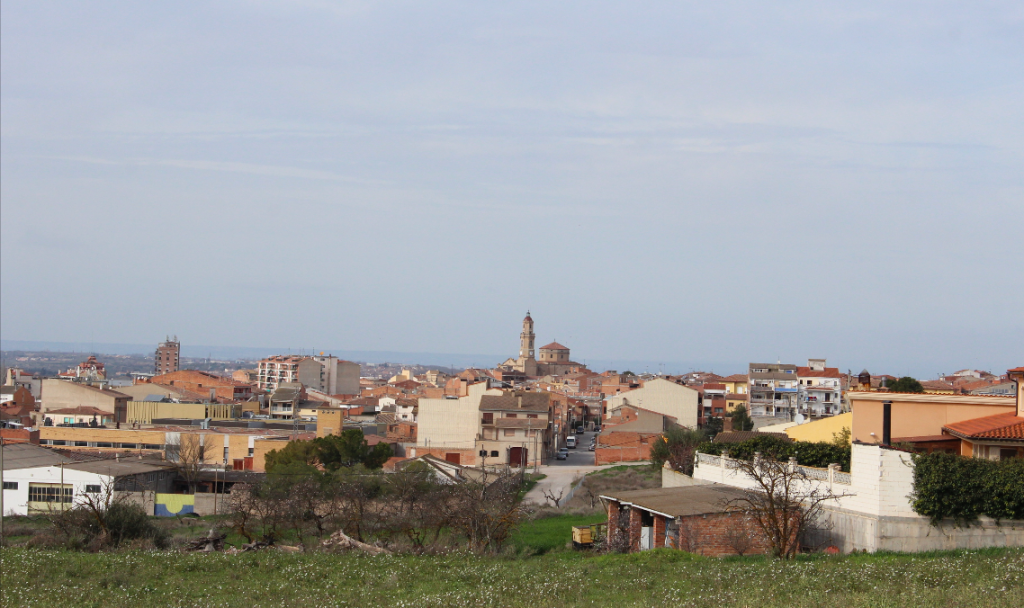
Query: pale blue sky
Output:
(667,181)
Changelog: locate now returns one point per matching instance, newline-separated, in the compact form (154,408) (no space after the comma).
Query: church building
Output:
(554,358)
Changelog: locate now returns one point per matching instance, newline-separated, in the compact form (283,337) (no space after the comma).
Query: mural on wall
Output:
(169,505)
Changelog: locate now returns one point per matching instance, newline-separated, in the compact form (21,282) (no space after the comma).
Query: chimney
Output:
(887,423)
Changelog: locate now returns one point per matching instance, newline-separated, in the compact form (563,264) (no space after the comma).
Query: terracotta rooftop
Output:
(554,346)
(828,372)
(81,410)
(532,401)
(735,378)
(1007,427)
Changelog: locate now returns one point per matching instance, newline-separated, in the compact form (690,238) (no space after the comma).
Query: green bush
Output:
(818,454)
(109,526)
(947,486)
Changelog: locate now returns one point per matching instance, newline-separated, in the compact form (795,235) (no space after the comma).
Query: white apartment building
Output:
(819,391)
(328,374)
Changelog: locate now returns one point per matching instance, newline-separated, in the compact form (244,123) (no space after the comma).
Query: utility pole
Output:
(1,490)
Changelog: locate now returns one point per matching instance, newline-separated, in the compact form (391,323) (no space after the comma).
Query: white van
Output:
(570,442)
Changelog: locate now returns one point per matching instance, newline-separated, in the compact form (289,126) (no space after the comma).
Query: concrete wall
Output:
(874,512)
(663,397)
(348,378)
(675,479)
(852,531)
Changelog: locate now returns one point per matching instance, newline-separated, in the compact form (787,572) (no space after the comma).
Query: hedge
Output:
(818,454)
(948,486)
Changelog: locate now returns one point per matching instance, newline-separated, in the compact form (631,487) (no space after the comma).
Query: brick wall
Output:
(623,447)
(721,534)
(466,457)
(20,436)
(613,519)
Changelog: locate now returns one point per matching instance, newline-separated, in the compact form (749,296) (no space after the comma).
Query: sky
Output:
(661,181)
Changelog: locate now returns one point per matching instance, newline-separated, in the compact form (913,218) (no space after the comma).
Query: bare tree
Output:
(738,536)
(188,455)
(486,512)
(783,504)
(552,498)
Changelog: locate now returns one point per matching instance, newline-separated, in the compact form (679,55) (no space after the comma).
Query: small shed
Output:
(699,519)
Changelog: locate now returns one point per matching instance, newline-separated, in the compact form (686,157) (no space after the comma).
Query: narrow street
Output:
(561,473)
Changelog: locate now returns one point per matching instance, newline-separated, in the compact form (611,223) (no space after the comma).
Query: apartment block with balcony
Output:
(774,389)
(819,389)
(328,374)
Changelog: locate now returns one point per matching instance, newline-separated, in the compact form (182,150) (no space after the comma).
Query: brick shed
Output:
(693,518)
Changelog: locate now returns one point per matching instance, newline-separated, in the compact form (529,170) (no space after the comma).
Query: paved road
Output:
(561,473)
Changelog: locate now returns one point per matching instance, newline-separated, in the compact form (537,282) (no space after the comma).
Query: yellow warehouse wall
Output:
(821,430)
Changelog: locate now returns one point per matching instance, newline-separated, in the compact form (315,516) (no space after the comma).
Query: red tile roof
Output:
(828,372)
(970,386)
(81,410)
(554,346)
(1007,426)
(735,378)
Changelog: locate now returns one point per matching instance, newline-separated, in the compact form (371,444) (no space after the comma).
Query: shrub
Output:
(948,486)
(808,453)
(107,527)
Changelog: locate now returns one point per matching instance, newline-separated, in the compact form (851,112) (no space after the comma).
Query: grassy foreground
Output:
(990,578)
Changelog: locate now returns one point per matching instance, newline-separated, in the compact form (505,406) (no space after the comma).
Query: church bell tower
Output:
(526,339)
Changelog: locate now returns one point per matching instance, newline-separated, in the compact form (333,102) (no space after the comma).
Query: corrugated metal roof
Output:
(118,468)
(681,502)
(28,456)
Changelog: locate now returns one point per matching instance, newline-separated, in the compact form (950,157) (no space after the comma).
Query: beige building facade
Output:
(918,415)
(64,394)
(663,397)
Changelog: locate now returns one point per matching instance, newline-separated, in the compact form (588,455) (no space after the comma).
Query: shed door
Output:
(646,538)
(453,457)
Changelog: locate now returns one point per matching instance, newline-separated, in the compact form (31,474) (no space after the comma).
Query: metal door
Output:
(646,538)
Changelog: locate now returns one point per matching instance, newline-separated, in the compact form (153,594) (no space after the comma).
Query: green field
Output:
(990,578)
(550,533)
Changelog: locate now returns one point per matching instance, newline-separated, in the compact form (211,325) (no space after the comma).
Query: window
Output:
(92,489)
(10,485)
(511,415)
(510,433)
(1007,453)
(251,450)
(49,492)
(225,455)
(531,415)
(494,453)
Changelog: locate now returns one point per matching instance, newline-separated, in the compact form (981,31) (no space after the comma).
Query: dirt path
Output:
(559,477)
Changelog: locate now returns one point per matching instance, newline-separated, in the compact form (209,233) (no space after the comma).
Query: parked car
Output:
(592,447)
(579,430)
(563,454)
